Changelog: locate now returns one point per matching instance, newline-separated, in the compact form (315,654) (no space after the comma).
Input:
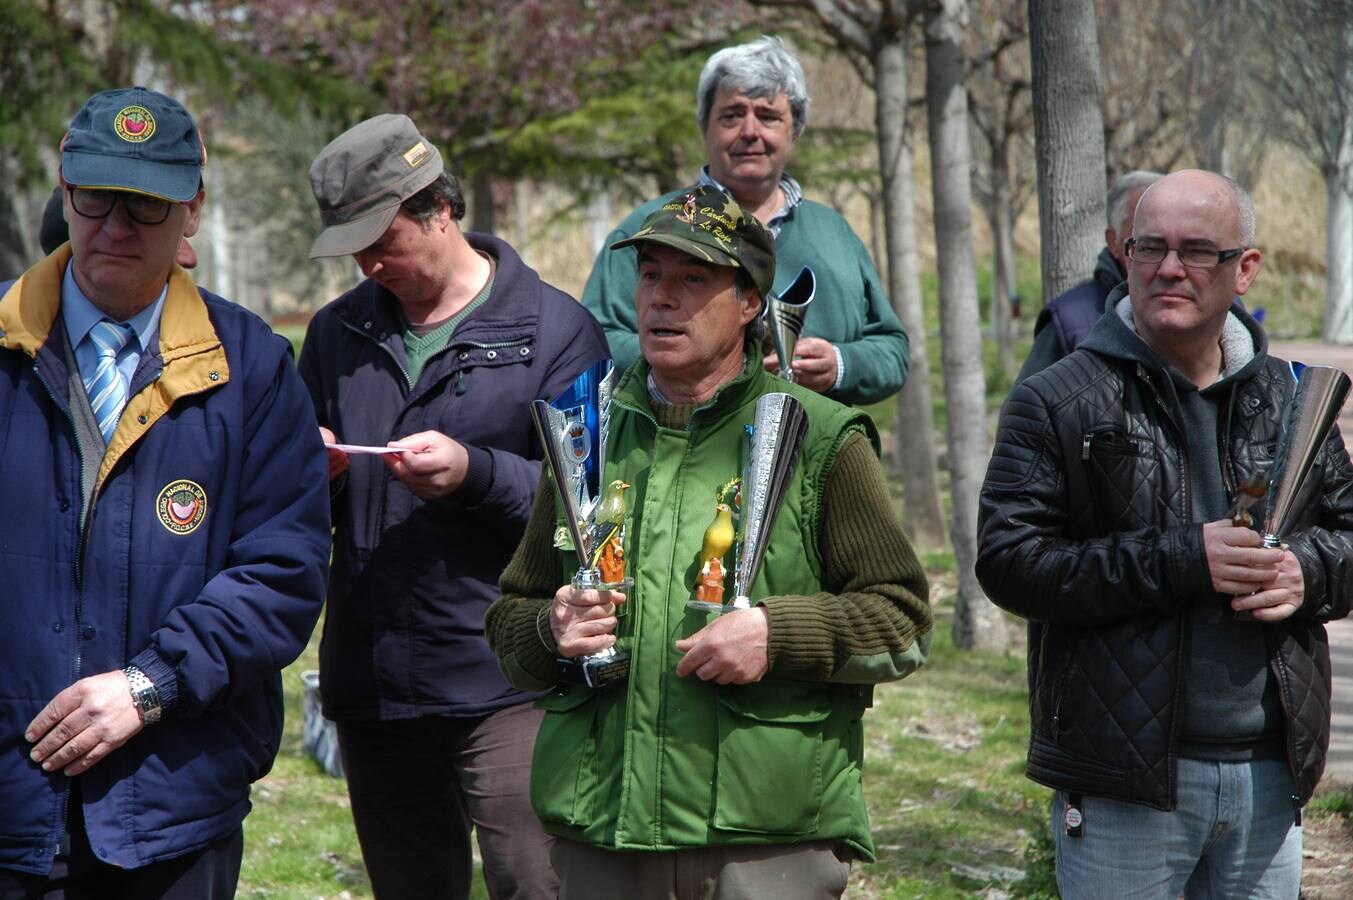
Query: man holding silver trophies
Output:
(723,757)
(1179,683)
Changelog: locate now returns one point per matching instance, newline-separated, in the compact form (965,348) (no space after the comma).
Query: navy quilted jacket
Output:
(1084,530)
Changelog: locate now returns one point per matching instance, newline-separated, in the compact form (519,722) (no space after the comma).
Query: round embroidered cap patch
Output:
(134,124)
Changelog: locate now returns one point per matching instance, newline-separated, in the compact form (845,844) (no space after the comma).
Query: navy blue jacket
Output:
(1074,313)
(201,561)
(411,579)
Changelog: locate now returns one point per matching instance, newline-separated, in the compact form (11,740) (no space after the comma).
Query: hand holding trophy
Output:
(784,315)
(572,431)
(1319,395)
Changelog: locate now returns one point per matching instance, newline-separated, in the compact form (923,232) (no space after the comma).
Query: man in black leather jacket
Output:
(1182,739)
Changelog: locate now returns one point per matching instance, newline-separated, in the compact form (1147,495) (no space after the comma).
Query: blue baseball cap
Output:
(134,139)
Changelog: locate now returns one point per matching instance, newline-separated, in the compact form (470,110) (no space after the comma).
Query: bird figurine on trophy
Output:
(719,537)
(572,432)
(776,435)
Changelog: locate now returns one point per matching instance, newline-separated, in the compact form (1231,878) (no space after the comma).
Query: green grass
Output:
(952,813)
(299,839)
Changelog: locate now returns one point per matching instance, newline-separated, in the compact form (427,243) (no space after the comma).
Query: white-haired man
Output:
(752,106)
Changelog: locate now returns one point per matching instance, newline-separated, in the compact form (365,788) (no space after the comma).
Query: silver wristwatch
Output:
(144,695)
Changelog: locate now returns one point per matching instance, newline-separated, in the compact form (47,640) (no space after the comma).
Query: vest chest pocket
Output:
(770,760)
(564,781)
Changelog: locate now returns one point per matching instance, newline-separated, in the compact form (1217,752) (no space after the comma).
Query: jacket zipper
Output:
(78,573)
(1177,701)
(1062,683)
(1289,736)
(388,352)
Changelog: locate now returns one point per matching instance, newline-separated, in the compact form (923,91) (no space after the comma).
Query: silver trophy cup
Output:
(777,436)
(1319,396)
(572,431)
(785,313)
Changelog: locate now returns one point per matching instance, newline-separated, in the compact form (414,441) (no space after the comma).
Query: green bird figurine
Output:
(608,554)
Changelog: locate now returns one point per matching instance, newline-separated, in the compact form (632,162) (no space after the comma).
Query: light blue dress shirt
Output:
(80,315)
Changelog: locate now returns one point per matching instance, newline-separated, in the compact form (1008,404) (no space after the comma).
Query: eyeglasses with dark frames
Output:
(96,203)
(1152,251)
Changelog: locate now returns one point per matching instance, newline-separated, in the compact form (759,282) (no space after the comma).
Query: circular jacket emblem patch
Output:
(181,506)
(134,124)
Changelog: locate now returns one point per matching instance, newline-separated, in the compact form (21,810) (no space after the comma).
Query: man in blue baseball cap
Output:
(164,528)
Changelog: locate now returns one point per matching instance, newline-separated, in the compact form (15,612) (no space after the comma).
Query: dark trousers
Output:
(207,874)
(418,785)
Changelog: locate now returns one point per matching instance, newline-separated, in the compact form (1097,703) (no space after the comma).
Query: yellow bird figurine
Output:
(608,526)
(718,538)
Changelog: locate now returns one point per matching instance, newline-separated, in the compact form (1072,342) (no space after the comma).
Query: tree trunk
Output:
(1339,211)
(482,218)
(1338,256)
(977,623)
(18,250)
(1068,139)
(1216,113)
(915,428)
(670,177)
(1003,258)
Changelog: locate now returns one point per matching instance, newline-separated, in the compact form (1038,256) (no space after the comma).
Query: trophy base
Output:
(585,581)
(597,670)
(704,606)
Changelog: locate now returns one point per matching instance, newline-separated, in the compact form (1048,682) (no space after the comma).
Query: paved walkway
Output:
(1340,766)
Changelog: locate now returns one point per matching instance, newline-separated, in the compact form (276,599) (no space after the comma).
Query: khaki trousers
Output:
(813,871)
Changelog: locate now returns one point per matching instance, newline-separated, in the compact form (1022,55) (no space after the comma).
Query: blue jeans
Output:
(1233,835)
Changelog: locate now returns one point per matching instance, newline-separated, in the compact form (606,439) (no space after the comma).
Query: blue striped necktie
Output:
(106,389)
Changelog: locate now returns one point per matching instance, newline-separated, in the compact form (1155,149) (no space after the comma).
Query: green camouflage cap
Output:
(710,225)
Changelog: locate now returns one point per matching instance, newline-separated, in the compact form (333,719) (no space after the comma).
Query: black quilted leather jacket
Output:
(1084,530)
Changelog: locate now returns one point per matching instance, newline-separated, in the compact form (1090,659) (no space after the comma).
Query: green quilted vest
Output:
(660,762)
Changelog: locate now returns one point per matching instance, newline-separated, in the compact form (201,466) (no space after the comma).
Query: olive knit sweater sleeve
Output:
(871,622)
(515,624)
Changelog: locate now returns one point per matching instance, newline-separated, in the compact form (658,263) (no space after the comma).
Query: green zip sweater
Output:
(662,762)
(851,309)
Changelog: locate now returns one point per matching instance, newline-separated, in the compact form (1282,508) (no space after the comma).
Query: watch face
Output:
(144,695)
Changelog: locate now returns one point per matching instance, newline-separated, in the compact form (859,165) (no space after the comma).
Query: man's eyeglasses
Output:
(93,203)
(1151,251)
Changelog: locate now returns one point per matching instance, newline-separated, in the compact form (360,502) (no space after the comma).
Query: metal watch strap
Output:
(144,695)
